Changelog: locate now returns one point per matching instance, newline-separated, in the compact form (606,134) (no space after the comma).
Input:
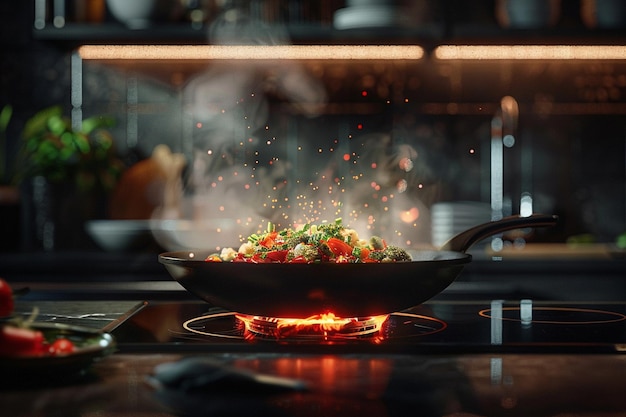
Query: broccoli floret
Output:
(324,249)
(308,252)
(329,230)
(295,239)
(377,243)
(390,254)
(376,255)
(396,254)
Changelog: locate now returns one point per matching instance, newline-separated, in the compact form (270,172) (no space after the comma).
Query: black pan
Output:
(347,290)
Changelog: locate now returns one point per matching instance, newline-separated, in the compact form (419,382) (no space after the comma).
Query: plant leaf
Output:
(5,117)
(96,122)
(37,124)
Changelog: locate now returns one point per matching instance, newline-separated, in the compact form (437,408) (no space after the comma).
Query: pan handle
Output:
(464,240)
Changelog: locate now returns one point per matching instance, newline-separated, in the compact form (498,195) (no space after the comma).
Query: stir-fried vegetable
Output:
(326,242)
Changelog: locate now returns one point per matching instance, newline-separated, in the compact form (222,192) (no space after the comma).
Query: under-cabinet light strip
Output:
(249,52)
(530,52)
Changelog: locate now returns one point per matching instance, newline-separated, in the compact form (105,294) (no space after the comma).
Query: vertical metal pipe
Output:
(76,70)
(497,168)
(496,322)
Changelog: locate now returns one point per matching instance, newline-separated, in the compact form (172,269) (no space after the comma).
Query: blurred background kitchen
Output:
(130,128)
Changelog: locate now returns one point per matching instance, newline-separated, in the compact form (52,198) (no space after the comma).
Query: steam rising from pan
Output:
(242,176)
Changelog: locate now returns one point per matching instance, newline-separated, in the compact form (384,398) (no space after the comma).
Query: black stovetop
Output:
(436,326)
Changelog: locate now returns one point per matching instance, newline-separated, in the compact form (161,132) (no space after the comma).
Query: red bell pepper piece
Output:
(339,247)
(298,260)
(19,341)
(269,240)
(276,256)
(365,252)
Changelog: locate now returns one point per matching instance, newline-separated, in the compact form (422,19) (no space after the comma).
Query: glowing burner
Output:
(325,327)
(319,329)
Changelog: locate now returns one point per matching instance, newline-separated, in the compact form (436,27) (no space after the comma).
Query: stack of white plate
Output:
(450,218)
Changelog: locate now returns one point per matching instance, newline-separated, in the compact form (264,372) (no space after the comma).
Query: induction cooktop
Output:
(490,326)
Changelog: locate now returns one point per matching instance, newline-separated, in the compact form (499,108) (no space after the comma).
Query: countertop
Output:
(337,383)
(345,385)
(99,290)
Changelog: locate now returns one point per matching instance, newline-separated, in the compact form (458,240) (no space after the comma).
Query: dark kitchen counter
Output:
(338,380)
(445,374)
(470,385)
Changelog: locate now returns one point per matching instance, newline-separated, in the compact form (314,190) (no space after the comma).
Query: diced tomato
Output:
(6,299)
(61,346)
(339,247)
(18,341)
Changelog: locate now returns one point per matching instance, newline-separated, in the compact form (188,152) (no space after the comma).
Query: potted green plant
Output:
(53,149)
(69,171)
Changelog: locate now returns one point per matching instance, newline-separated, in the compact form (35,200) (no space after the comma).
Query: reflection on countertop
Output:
(347,385)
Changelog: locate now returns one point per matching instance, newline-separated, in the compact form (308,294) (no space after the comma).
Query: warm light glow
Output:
(410,215)
(323,325)
(324,322)
(529,52)
(249,52)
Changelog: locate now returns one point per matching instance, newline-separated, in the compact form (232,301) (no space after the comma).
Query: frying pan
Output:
(347,290)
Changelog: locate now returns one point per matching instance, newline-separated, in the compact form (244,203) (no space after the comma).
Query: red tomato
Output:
(6,299)
(61,346)
(339,247)
(18,341)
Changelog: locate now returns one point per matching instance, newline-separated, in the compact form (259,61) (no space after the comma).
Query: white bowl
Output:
(120,235)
